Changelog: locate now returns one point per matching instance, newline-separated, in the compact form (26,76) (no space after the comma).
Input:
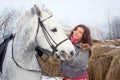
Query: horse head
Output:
(35,28)
(50,36)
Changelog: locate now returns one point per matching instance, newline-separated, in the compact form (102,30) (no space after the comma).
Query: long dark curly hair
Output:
(87,39)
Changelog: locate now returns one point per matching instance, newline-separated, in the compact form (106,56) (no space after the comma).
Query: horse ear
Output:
(36,10)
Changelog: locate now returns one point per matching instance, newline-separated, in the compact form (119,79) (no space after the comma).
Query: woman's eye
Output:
(54,30)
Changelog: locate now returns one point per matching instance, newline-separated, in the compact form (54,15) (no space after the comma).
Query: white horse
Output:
(35,28)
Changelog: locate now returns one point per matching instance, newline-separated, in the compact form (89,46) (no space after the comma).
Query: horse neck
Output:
(24,43)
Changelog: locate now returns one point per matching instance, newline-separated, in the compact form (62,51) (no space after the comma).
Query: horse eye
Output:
(54,30)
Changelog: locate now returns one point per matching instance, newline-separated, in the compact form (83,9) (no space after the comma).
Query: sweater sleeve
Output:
(78,66)
(80,60)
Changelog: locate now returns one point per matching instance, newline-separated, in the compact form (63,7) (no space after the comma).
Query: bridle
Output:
(48,38)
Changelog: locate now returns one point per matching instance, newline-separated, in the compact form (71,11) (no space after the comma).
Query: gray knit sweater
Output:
(78,66)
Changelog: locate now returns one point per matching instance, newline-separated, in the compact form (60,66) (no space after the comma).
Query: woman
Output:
(76,69)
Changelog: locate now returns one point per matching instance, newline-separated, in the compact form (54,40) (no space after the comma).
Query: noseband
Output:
(48,37)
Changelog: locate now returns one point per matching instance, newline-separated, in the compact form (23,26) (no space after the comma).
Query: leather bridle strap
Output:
(48,36)
(19,64)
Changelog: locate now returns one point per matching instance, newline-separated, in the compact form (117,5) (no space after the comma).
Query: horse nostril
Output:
(72,53)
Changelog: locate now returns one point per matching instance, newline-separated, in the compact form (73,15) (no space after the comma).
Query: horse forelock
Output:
(35,10)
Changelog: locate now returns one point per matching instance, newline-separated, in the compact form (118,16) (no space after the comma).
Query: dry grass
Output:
(105,62)
(52,66)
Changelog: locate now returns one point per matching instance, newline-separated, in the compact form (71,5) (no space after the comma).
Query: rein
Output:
(19,64)
(48,38)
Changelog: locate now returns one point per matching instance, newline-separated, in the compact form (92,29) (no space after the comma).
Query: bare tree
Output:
(109,25)
(115,26)
(7,18)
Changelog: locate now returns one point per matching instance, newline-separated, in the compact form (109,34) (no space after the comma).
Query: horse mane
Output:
(26,16)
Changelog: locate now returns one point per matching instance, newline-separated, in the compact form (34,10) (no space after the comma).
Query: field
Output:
(52,66)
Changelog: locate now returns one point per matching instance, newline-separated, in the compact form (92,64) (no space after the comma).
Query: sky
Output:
(89,12)
(73,12)
(94,13)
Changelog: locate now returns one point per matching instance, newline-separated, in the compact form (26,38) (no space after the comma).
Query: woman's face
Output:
(78,33)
